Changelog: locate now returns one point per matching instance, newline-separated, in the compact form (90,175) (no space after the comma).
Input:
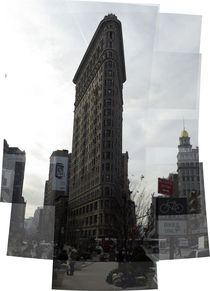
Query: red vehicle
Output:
(104,256)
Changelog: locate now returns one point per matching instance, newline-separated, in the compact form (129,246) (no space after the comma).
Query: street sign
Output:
(171,206)
(172,227)
(165,186)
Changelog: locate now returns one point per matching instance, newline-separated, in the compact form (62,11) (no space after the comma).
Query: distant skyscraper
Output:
(58,180)
(97,175)
(11,190)
(56,197)
(12,174)
(191,186)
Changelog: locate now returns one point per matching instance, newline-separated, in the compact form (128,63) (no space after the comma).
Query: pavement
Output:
(165,255)
(92,276)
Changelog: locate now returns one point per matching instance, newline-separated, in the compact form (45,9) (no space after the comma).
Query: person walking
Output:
(179,251)
(70,267)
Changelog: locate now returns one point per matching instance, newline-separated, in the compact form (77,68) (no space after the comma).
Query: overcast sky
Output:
(44,43)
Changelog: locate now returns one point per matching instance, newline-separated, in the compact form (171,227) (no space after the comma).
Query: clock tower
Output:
(187,166)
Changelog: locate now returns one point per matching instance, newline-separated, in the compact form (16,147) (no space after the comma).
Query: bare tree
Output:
(141,198)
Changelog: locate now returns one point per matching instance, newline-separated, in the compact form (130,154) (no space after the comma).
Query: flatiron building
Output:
(96,188)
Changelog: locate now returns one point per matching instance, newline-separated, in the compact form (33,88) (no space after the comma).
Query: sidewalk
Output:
(92,276)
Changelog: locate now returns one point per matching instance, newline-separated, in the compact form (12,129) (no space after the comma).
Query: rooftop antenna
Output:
(183,124)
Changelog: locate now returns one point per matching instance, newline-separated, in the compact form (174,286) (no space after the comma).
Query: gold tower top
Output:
(184,133)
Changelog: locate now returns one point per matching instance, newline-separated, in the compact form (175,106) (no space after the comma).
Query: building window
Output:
(110,35)
(102,204)
(91,220)
(107,133)
(107,155)
(101,44)
(107,166)
(107,191)
(109,73)
(107,102)
(106,203)
(95,219)
(101,219)
(106,219)
(95,205)
(87,208)
(107,112)
(108,92)
(107,144)
(108,82)
(107,122)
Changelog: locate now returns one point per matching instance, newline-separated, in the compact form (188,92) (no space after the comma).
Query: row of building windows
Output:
(190,178)
(92,61)
(189,171)
(93,220)
(191,186)
(104,204)
(195,164)
(82,86)
(92,232)
(109,64)
(83,183)
(104,191)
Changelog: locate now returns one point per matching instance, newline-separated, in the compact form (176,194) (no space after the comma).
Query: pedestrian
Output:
(179,251)
(70,265)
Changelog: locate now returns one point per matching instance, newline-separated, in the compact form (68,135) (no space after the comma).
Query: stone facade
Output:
(96,180)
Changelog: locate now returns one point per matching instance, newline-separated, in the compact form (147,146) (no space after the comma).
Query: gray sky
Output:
(44,44)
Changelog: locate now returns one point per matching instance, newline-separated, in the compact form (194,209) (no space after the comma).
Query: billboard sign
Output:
(165,186)
(7,185)
(171,206)
(60,173)
(172,227)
